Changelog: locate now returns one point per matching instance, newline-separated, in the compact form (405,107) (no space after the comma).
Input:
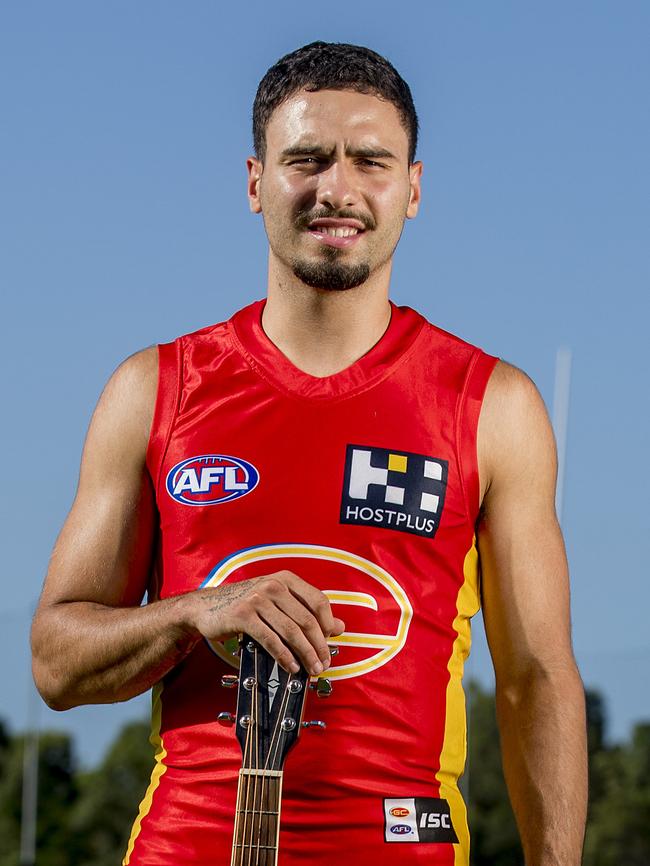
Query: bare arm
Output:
(92,641)
(540,698)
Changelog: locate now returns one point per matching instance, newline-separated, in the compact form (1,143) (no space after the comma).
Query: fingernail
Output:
(317,668)
(294,667)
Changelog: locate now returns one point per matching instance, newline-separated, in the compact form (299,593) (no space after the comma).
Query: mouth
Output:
(336,233)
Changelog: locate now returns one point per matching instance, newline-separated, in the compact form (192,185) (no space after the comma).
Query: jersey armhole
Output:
(166,409)
(479,371)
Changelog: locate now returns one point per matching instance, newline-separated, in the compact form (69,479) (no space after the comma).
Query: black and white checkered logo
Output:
(393,489)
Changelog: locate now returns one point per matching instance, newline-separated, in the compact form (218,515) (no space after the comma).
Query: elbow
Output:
(53,694)
(555,680)
(52,681)
(52,685)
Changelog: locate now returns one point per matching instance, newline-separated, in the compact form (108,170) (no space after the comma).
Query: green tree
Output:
(110,795)
(494,836)
(57,791)
(596,728)
(5,743)
(618,831)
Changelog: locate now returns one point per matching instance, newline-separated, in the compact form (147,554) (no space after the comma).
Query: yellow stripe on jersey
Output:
(454,747)
(158,771)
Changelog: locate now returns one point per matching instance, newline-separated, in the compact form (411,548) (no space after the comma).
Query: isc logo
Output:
(435,820)
(211,479)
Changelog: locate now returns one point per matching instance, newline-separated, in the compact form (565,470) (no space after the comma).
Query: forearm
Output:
(87,653)
(543,738)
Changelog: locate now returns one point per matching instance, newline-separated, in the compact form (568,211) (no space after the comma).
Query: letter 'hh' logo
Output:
(393,489)
(211,479)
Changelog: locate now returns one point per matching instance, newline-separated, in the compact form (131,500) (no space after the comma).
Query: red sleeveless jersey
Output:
(364,483)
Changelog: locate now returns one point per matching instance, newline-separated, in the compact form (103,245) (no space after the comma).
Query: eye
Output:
(372,163)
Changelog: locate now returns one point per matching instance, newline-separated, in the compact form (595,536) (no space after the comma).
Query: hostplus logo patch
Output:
(393,489)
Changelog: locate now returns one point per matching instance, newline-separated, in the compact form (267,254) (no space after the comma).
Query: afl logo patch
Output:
(400,829)
(211,479)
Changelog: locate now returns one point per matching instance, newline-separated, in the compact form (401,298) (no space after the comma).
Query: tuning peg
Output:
(231,645)
(229,681)
(334,650)
(322,687)
(226,719)
(315,724)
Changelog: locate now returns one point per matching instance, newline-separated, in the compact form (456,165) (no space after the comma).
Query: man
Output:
(325,454)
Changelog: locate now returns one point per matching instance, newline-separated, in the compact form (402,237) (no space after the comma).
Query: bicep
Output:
(525,587)
(103,552)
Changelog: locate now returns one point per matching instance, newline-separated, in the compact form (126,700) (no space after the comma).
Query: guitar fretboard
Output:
(257,820)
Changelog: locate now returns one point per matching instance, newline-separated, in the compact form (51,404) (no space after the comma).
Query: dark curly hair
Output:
(332,66)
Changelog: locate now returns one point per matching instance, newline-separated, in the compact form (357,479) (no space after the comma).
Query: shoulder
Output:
(124,413)
(515,437)
(511,391)
(135,380)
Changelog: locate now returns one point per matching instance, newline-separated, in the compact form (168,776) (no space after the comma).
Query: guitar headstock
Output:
(270,704)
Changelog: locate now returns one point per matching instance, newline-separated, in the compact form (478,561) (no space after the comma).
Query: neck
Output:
(321,331)
(257,820)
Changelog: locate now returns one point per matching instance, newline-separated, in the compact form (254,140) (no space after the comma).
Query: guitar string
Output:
(265,780)
(270,757)
(247,759)
(273,748)
(246,843)
(237,858)
(255,761)
(258,715)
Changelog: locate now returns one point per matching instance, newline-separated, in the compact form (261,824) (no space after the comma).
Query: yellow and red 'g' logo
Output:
(378,611)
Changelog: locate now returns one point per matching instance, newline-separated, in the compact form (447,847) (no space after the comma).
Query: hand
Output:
(281,611)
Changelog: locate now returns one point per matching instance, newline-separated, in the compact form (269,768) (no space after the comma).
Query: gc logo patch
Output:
(427,819)
(393,489)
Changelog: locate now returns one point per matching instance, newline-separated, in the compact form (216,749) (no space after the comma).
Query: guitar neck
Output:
(257,820)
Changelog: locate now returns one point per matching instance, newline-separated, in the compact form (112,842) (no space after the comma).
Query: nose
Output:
(336,187)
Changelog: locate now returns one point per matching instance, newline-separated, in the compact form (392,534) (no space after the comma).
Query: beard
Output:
(332,275)
(329,272)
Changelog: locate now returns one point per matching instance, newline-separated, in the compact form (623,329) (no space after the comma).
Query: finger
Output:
(292,633)
(295,605)
(269,638)
(310,626)
(317,602)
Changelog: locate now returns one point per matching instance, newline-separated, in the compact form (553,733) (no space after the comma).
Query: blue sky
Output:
(124,222)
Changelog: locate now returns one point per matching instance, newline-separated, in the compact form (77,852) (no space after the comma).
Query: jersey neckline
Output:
(269,362)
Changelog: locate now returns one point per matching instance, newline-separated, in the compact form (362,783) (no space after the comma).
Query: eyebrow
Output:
(318,150)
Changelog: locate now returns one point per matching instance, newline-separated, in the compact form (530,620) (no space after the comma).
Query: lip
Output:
(333,223)
(331,241)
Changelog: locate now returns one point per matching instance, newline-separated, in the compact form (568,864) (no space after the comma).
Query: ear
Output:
(415,176)
(255,168)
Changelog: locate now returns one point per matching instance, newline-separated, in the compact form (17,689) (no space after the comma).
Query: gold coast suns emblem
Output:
(377,611)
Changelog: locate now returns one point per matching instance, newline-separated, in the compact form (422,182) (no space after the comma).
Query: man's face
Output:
(335,186)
